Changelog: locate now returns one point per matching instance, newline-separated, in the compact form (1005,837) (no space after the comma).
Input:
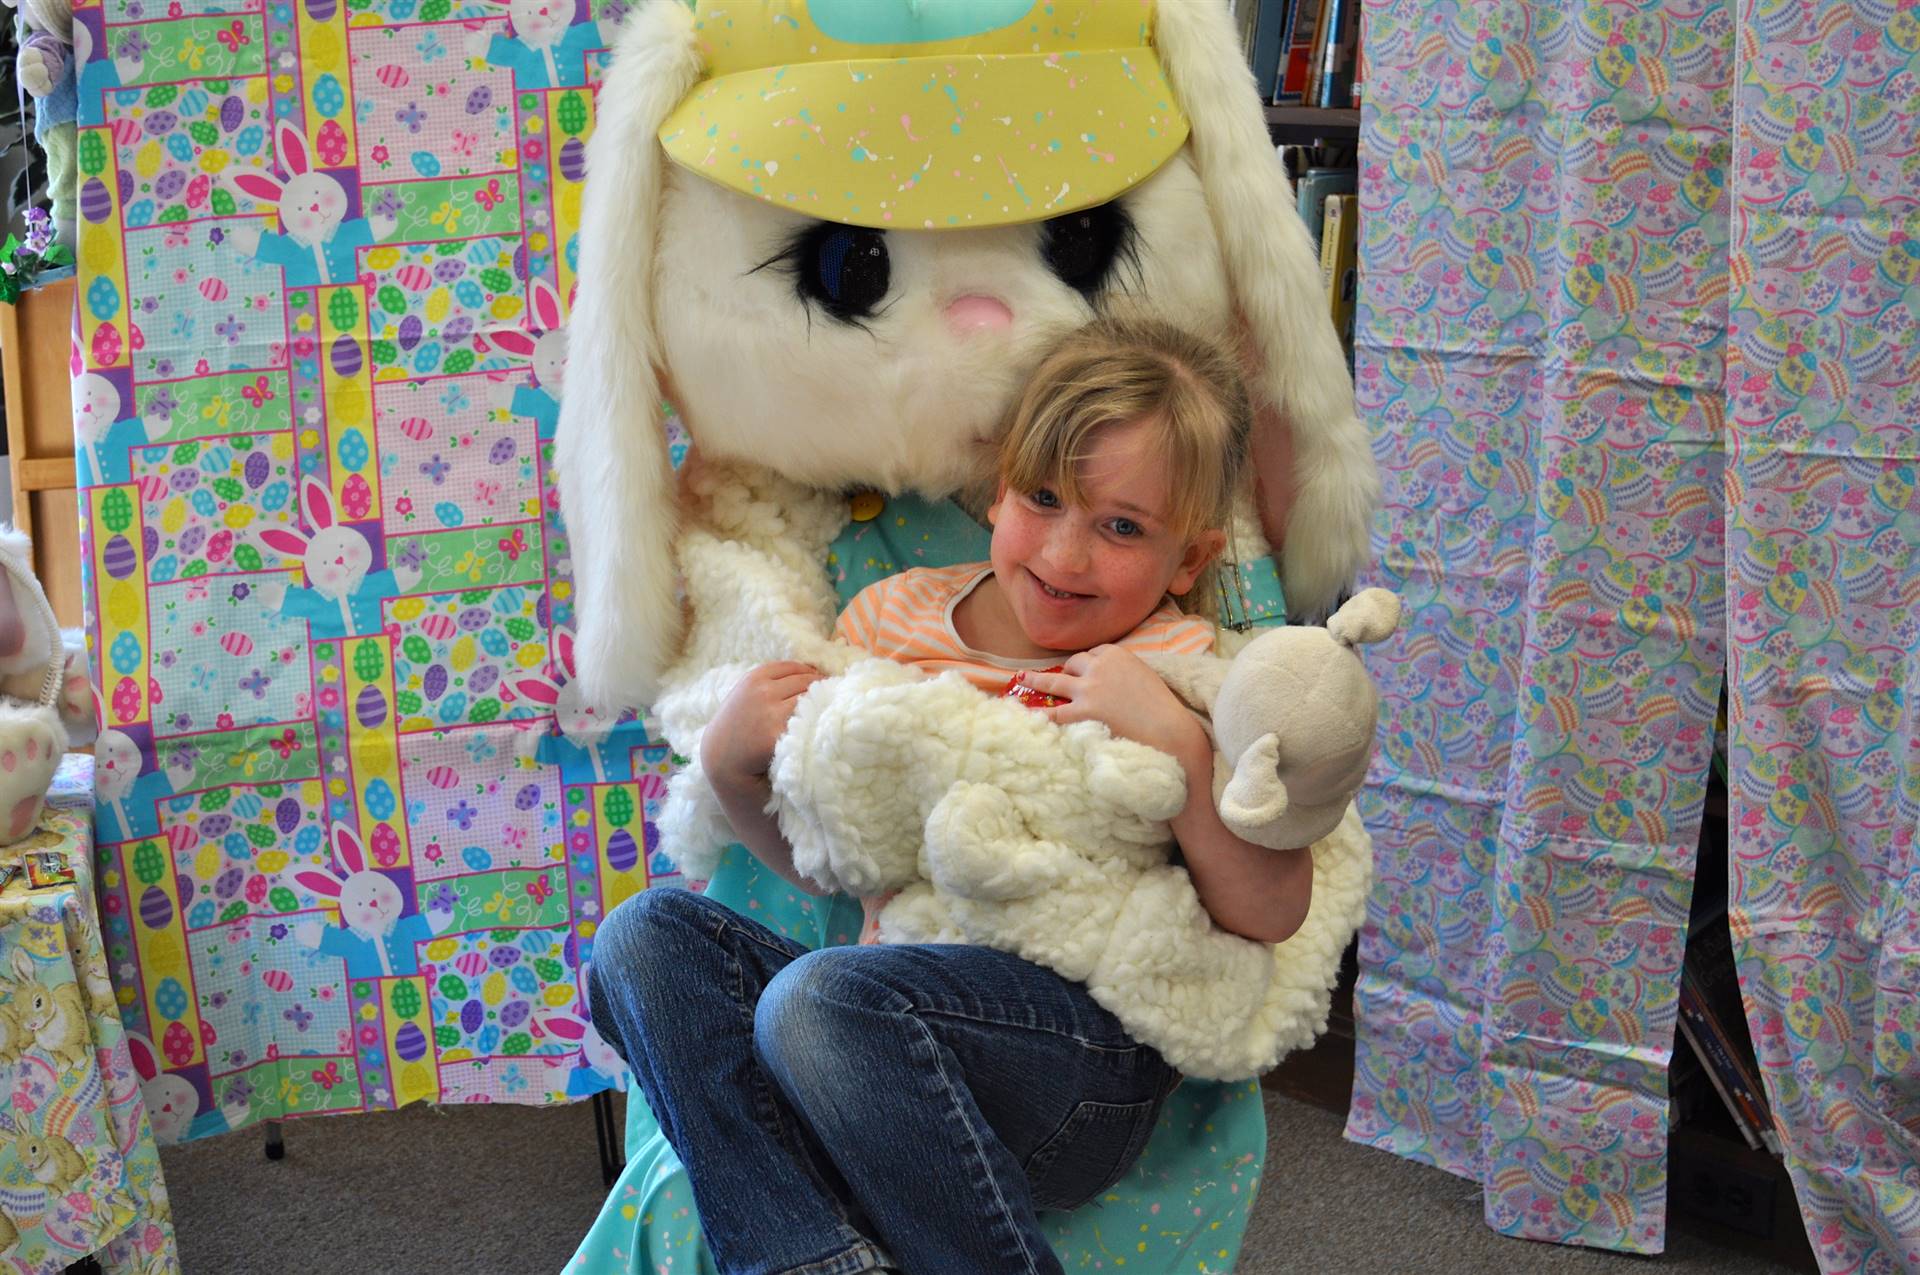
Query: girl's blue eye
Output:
(1128,527)
(1045,498)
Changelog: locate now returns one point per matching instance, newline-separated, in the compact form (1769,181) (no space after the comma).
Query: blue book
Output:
(1270,34)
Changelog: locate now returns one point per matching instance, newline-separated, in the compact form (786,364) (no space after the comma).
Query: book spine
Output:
(1691,1027)
(1331,49)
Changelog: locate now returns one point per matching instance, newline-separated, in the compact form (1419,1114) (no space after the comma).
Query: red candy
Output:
(1018,689)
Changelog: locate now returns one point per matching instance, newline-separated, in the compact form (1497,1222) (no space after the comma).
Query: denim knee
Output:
(811,1019)
(641,947)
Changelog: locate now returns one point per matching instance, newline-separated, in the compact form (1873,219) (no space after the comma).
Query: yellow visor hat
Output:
(927,114)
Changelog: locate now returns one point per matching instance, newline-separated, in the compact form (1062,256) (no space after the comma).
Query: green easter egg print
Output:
(495,280)
(228,488)
(246,557)
(202,132)
(405,1000)
(342,310)
(368,663)
(572,115)
(435,10)
(453,987)
(619,808)
(184,454)
(163,95)
(261,837)
(148,863)
(282,899)
(415,648)
(193,569)
(233,911)
(215,798)
(384,353)
(549,971)
(407,702)
(116,510)
(391,299)
(518,1043)
(519,628)
(446,1037)
(93,153)
(176,213)
(222,202)
(459,361)
(484,711)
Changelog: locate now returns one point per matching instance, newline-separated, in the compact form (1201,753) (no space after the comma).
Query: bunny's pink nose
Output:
(976,311)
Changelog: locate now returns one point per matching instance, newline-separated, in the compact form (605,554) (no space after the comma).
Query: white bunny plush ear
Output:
(1264,243)
(347,852)
(292,149)
(543,304)
(318,503)
(616,483)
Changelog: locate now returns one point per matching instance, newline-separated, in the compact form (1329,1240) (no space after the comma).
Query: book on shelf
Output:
(1268,42)
(1289,84)
(1715,1021)
(1337,38)
(1339,241)
(1312,190)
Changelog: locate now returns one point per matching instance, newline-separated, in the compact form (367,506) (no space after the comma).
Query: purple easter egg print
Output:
(370,706)
(482,679)
(622,851)
(228,883)
(150,539)
(286,815)
(155,908)
(160,123)
(473,619)
(521,270)
(573,160)
(169,183)
(479,100)
(503,450)
(119,557)
(321,10)
(457,328)
(504,957)
(410,1043)
(410,330)
(570,950)
(96,202)
(528,798)
(184,479)
(542,612)
(215,825)
(192,538)
(258,467)
(232,112)
(447,269)
(125,182)
(472,1014)
(434,684)
(346,356)
(513,1013)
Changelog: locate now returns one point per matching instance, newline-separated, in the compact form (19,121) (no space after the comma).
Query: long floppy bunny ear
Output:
(318,504)
(616,483)
(347,852)
(324,884)
(1263,242)
(544,304)
(292,148)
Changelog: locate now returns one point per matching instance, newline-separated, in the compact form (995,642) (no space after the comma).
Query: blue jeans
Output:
(868,1108)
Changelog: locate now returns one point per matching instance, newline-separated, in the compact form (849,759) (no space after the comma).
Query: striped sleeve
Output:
(859,622)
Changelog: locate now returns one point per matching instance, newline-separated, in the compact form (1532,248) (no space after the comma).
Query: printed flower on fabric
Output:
(224,662)
(235,851)
(199,305)
(456,653)
(471,466)
(119,11)
(474,805)
(488,987)
(426,302)
(205,504)
(421,111)
(179,149)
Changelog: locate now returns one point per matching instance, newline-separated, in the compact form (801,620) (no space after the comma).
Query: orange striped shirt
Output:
(908,617)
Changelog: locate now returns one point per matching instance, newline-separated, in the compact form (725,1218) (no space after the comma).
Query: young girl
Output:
(914,1107)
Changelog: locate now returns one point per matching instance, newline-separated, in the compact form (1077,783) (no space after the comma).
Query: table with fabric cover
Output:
(79,1173)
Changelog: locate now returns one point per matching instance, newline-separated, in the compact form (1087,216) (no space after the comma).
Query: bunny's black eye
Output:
(1083,247)
(842,269)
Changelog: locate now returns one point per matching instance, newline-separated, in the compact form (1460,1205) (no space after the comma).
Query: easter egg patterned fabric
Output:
(1636,333)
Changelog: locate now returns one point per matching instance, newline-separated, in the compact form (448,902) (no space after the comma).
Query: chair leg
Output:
(276,1149)
(606,1134)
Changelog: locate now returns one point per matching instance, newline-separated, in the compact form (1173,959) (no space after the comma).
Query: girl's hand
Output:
(1113,685)
(737,747)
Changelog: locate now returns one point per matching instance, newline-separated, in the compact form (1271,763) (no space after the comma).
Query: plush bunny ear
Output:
(538,689)
(544,303)
(616,484)
(347,852)
(318,503)
(512,340)
(1263,241)
(292,148)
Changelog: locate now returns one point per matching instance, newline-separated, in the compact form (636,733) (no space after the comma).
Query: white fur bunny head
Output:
(336,558)
(311,204)
(544,341)
(577,719)
(865,351)
(370,903)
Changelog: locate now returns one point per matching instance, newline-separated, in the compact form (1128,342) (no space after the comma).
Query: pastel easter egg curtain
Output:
(1637,332)
(355,834)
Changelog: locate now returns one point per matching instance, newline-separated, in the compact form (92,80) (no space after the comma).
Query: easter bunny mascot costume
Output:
(836,235)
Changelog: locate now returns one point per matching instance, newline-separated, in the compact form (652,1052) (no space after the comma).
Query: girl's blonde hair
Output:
(1121,371)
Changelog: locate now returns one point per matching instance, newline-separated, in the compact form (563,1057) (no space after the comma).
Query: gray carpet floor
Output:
(510,1190)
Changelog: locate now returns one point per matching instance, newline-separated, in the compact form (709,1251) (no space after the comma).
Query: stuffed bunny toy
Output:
(47,67)
(38,699)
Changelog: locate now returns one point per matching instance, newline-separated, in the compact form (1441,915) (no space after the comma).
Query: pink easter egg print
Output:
(413,278)
(442,777)
(213,288)
(106,345)
(385,844)
(393,75)
(236,644)
(332,143)
(356,497)
(153,489)
(126,699)
(139,338)
(437,626)
(197,190)
(471,963)
(177,1044)
(208,1036)
(418,428)
(180,838)
(219,546)
(278,980)
(126,131)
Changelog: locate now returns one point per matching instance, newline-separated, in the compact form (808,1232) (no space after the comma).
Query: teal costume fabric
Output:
(1185,1205)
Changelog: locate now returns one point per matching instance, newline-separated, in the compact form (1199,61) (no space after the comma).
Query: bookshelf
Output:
(1308,125)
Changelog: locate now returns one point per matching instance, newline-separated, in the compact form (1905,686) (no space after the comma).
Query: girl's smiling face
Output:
(1082,574)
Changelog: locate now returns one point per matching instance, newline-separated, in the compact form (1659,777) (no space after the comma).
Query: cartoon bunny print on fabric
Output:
(316,244)
(375,939)
(101,74)
(102,433)
(596,1066)
(172,1101)
(342,595)
(126,795)
(545,343)
(547,48)
(588,744)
